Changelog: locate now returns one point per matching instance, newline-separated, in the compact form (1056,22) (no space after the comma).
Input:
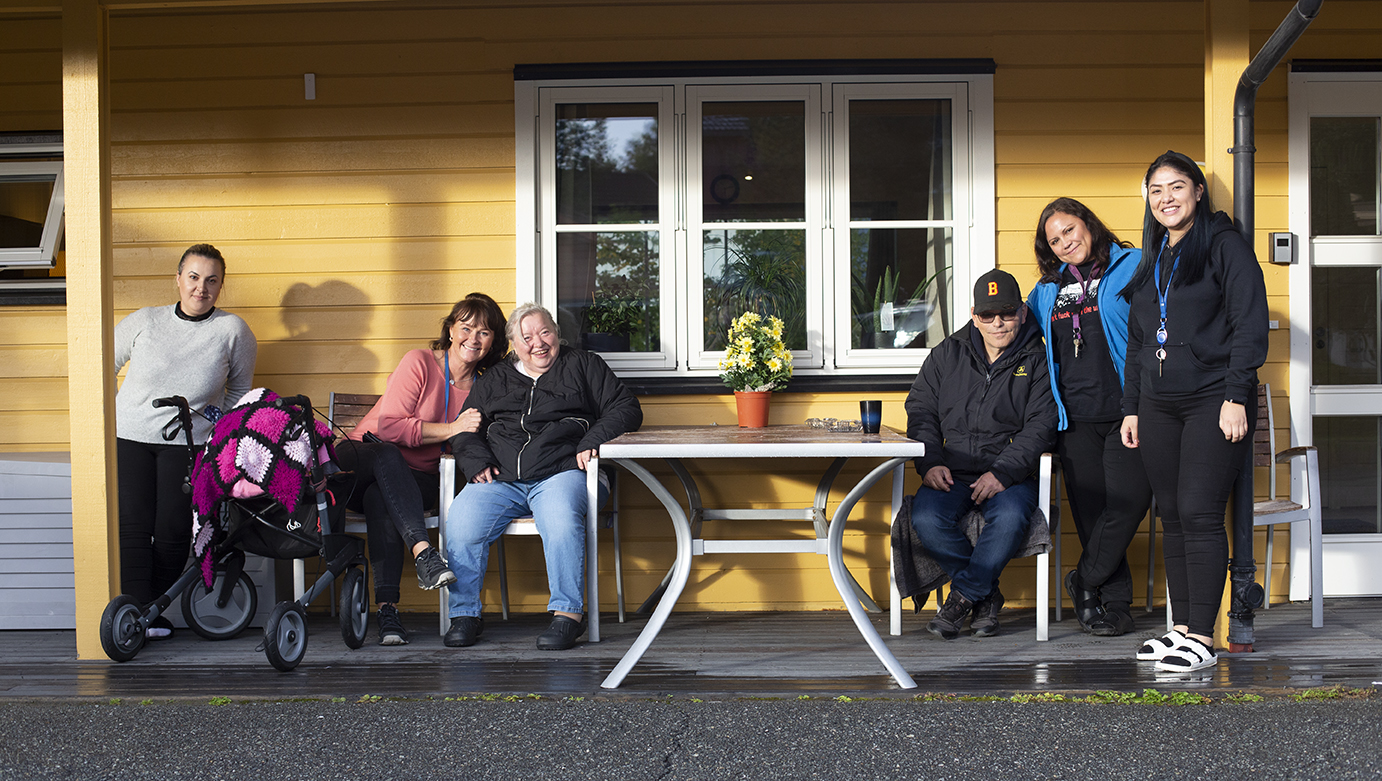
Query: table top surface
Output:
(794,441)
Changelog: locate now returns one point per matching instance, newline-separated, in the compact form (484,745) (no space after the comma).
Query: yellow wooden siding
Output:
(352,221)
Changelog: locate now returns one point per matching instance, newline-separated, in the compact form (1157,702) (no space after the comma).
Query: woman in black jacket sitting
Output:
(543,417)
(1197,332)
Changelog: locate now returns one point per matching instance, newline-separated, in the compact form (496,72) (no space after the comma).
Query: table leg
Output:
(694,512)
(592,549)
(844,581)
(894,596)
(681,572)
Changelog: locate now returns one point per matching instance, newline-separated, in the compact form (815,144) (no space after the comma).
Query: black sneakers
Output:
(950,618)
(561,635)
(391,631)
(464,631)
(432,573)
(985,617)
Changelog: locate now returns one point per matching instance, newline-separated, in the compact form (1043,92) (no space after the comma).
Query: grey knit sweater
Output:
(209,362)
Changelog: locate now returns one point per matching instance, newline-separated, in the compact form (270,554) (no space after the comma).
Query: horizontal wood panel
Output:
(351,57)
(40,535)
(34,430)
(467,119)
(32,361)
(36,559)
(314,222)
(33,326)
(36,580)
(287,90)
(1129,146)
(323,259)
(409,154)
(1094,86)
(1183,116)
(349,188)
(421,288)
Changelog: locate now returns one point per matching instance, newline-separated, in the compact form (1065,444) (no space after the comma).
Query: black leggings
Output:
(1191,466)
(155,517)
(1108,492)
(393,498)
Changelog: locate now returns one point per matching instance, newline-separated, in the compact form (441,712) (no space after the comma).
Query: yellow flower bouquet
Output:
(755,358)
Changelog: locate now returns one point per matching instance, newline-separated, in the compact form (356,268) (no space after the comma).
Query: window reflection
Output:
(1346,328)
(753,161)
(1344,176)
(1349,474)
(606,163)
(761,271)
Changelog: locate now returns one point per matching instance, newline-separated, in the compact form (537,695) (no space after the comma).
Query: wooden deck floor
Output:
(747,654)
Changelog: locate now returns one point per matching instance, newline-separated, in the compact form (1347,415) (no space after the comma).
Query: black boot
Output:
(1116,621)
(1088,611)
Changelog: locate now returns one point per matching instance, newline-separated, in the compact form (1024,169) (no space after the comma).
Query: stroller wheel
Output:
(354,608)
(212,622)
(121,634)
(285,636)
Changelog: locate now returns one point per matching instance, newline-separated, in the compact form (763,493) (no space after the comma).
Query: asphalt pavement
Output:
(687,738)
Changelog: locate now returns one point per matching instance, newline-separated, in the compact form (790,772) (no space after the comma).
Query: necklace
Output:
(1079,302)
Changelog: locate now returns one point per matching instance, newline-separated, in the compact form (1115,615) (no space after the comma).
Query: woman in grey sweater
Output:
(189,349)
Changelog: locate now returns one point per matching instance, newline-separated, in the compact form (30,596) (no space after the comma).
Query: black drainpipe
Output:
(1245,108)
(1246,594)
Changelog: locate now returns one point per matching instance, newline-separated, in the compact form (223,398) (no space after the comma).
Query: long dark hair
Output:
(1101,238)
(480,308)
(1193,247)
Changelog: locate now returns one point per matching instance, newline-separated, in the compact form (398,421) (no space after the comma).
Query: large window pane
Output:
(761,271)
(1344,176)
(1350,480)
(1346,327)
(753,161)
(23,209)
(899,160)
(899,287)
(606,163)
(608,284)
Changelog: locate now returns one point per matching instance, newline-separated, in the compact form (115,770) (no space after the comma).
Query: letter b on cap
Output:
(993,288)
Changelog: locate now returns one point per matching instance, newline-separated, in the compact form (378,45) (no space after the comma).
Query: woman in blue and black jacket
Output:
(1083,269)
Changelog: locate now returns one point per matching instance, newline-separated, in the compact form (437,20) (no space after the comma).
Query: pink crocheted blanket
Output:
(250,453)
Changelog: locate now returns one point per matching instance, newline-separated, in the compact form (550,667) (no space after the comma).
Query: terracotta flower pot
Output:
(752,407)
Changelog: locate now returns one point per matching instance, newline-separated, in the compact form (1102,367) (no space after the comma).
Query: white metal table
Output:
(675,443)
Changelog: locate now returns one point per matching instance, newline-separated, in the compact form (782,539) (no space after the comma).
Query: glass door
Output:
(1338,220)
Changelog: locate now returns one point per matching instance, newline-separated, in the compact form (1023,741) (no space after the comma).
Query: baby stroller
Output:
(262,484)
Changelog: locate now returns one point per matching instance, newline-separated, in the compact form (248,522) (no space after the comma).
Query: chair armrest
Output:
(1293,452)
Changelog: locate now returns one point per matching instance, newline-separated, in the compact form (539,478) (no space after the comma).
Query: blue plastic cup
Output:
(871,415)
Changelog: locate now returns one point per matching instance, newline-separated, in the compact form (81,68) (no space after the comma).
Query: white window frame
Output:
(45,253)
(974,216)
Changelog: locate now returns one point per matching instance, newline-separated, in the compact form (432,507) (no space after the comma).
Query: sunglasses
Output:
(987,317)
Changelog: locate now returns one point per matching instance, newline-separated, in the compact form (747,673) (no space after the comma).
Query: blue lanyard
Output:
(446,380)
(1161,296)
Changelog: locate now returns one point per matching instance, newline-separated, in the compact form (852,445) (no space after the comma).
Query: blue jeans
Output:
(478,516)
(973,569)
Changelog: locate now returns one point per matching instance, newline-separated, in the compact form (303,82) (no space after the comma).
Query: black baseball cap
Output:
(997,291)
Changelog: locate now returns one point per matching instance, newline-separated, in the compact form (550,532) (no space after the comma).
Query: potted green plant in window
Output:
(609,324)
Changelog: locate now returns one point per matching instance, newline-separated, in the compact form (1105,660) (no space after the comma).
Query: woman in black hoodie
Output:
(1197,333)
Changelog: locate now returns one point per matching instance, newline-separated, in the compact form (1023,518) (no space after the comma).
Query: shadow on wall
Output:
(326,326)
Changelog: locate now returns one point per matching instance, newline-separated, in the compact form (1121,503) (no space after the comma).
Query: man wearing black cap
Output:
(982,403)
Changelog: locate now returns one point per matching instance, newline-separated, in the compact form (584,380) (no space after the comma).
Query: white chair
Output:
(1048,502)
(524,527)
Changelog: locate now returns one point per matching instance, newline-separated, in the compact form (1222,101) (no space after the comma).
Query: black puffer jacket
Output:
(977,418)
(534,428)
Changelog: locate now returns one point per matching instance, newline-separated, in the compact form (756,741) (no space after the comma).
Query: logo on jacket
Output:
(1021,371)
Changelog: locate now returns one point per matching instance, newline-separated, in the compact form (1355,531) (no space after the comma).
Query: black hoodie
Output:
(1216,328)
(977,417)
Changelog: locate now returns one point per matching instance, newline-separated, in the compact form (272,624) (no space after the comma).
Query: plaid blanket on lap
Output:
(249,454)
